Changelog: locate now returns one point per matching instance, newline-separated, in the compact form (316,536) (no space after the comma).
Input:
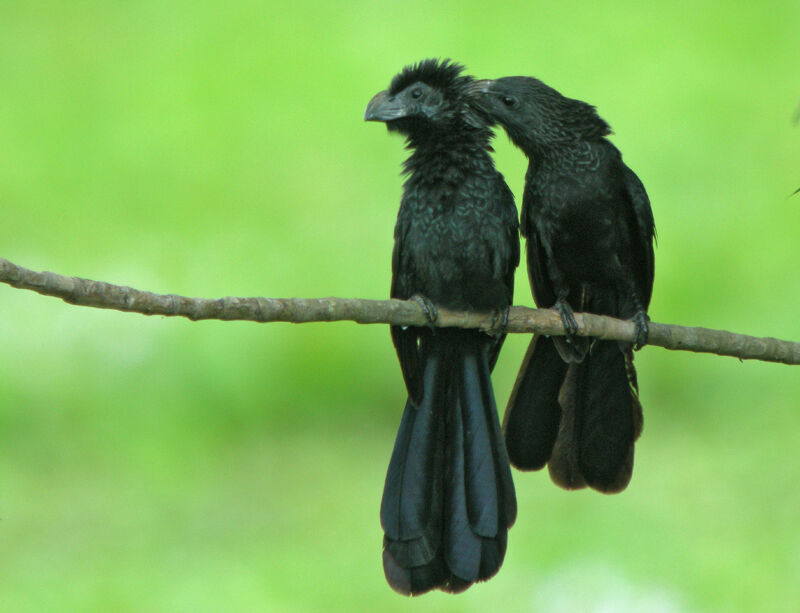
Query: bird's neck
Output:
(446,151)
(565,155)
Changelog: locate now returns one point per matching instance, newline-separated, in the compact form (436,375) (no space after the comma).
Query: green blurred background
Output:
(209,149)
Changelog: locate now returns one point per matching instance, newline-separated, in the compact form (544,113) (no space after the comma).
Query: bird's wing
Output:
(645,234)
(405,339)
(511,259)
(541,286)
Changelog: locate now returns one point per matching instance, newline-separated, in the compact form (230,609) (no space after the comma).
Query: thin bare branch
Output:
(99,294)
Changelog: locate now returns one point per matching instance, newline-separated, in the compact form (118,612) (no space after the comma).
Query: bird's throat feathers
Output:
(439,156)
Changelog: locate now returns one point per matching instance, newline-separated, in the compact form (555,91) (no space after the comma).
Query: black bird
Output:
(590,233)
(449,499)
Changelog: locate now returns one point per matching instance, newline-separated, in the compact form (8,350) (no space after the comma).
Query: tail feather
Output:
(449,499)
(572,350)
(480,471)
(564,464)
(408,580)
(463,547)
(612,418)
(533,415)
(417,551)
(602,418)
(508,497)
(411,507)
(414,471)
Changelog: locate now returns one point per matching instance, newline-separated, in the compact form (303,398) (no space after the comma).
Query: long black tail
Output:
(449,499)
(533,413)
(581,419)
(601,420)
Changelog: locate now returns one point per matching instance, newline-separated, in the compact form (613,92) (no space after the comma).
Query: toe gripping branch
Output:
(430,310)
(640,320)
(567,318)
(499,324)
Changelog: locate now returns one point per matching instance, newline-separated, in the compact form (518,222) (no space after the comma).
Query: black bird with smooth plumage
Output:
(449,500)
(590,233)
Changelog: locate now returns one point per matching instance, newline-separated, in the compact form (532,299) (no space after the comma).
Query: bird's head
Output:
(534,114)
(427,98)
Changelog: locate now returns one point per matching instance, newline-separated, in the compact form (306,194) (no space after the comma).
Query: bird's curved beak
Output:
(384,108)
(483,86)
(479,103)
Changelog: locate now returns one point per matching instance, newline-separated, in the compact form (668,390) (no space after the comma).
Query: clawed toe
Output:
(499,322)
(567,318)
(640,321)
(430,310)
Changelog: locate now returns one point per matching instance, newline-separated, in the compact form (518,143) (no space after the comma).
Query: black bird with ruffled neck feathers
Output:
(590,233)
(449,500)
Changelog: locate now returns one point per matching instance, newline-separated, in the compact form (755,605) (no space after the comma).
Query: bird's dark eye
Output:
(416,93)
(509,101)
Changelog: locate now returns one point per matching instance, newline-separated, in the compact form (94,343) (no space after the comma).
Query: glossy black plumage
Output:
(590,233)
(449,499)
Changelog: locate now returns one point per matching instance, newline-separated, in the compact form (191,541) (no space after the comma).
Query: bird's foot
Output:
(640,321)
(567,318)
(499,323)
(430,310)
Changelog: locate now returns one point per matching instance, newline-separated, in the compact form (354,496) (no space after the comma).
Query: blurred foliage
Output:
(209,149)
